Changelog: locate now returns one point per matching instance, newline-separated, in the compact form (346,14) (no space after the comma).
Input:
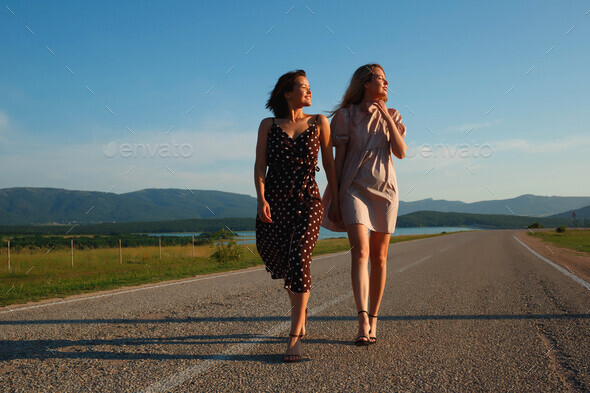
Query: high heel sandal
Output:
(372,340)
(362,341)
(293,358)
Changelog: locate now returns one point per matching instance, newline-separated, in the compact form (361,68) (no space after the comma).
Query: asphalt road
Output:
(467,312)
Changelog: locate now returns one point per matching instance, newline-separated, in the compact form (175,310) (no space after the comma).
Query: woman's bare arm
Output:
(329,167)
(396,140)
(260,169)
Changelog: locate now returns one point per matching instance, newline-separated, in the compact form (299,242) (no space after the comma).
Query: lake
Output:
(248,237)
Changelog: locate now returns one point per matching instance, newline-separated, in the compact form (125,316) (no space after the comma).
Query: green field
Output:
(37,274)
(575,239)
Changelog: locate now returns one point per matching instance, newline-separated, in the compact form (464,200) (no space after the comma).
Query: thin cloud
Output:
(184,158)
(473,126)
(190,146)
(551,146)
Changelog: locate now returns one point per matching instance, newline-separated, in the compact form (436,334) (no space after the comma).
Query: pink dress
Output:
(368,186)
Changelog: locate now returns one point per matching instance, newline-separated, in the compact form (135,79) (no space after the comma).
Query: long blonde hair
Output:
(356,89)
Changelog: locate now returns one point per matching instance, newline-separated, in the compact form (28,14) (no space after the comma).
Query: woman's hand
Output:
(334,214)
(396,117)
(383,109)
(264,211)
(398,146)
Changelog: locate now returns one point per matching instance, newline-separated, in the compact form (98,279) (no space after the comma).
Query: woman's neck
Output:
(295,114)
(367,100)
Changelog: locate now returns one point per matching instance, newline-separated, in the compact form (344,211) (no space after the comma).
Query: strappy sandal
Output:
(293,358)
(362,341)
(372,340)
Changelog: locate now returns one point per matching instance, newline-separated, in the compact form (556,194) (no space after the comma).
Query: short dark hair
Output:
(277,102)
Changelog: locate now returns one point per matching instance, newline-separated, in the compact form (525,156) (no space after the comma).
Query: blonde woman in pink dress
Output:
(365,133)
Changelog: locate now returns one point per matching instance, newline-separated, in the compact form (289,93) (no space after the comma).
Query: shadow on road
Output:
(139,348)
(206,347)
(283,318)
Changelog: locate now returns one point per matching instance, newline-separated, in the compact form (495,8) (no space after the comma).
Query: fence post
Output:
(160,247)
(72,246)
(120,253)
(193,246)
(8,254)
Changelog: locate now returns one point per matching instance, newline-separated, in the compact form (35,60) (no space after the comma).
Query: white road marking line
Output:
(79,299)
(551,263)
(330,255)
(403,269)
(129,291)
(91,297)
(174,380)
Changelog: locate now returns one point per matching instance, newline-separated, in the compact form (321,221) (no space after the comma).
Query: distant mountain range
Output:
(28,206)
(524,205)
(482,221)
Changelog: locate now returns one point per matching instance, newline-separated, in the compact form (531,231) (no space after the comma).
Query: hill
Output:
(524,205)
(581,214)
(30,206)
(34,206)
(483,221)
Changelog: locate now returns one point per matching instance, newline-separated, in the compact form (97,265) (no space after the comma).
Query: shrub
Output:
(561,228)
(227,252)
(536,225)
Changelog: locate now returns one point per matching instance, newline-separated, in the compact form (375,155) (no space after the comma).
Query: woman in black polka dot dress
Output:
(289,202)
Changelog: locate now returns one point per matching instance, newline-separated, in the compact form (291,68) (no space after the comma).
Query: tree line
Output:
(38,241)
(171,226)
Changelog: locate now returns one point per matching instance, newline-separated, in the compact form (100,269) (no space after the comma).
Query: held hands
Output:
(264,211)
(334,213)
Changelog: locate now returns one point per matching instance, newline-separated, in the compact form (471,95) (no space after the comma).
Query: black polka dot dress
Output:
(286,244)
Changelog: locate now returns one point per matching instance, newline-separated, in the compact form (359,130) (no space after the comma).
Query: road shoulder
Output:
(576,262)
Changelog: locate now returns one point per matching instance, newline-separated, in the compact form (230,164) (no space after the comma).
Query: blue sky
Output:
(125,96)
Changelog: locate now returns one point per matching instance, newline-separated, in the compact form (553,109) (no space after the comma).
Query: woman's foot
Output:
(293,353)
(362,336)
(373,331)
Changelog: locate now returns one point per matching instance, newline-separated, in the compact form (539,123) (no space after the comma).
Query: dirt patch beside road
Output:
(576,262)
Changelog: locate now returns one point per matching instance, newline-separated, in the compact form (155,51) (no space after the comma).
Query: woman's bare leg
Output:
(298,307)
(358,237)
(379,245)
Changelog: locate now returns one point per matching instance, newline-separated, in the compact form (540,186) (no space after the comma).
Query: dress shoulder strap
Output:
(315,120)
(273,121)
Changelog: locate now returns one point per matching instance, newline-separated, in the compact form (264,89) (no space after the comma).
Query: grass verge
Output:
(574,239)
(35,274)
